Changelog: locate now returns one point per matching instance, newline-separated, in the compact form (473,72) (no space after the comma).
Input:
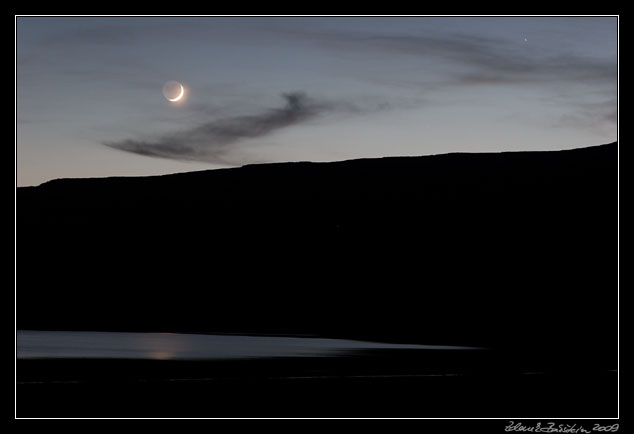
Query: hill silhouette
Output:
(503,249)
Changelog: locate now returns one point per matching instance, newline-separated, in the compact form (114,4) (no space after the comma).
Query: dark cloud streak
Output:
(212,140)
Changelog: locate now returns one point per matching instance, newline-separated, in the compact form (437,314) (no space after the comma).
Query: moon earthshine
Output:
(173,91)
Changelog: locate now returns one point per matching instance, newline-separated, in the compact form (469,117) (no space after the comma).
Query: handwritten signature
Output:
(551,427)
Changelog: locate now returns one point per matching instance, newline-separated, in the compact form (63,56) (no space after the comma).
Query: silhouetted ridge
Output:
(514,248)
(387,176)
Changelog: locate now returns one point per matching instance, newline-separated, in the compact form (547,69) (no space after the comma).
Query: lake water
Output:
(34,344)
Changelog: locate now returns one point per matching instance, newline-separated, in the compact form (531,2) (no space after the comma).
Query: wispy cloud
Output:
(591,116)
(474,59)
(464,60)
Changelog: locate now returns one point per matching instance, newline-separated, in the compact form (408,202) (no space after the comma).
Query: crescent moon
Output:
(179,95)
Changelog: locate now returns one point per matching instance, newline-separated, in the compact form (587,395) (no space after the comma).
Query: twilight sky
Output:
(267,89)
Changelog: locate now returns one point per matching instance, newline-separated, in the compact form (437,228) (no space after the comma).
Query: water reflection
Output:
(173,346)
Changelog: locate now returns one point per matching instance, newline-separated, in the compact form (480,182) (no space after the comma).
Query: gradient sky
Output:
(267,89)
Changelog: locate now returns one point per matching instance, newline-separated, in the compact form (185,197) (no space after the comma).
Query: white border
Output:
(319,418)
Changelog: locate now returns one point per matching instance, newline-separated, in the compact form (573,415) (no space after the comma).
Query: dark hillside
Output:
(506,249)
